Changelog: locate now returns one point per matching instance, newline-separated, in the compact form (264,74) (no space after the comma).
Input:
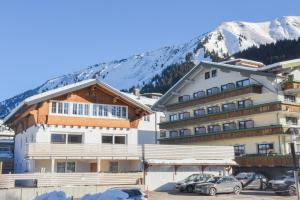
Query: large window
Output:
(199,94)
(58,138)
(239,150)
(228,86)
(114,139)
(173,117)
(265,148)
(200,130)
(213,128)
(199,112)
(184,132)
(228,107)
(74,139)
(59,107)
(229,126)
(291,120)
(184,98)
(212,91)
(243,83)
(213,109)
(245,103)
(184,115)
(107,139)
(290,98)
(65,167)
(246,124)
(120,139)
(64,138)
(114,166)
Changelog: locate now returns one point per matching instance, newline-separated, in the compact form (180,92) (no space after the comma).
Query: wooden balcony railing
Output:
(222,135)
(290,85)
(256,109)
(265,160)
(222,95)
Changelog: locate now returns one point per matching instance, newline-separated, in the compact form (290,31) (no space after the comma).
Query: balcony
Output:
(214,97)
(223,135)
(273,160)
(256,109)
(291,87)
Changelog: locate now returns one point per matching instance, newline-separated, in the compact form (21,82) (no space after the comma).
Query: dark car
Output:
(226,184)
(188,184)
(252,180)
(284,185)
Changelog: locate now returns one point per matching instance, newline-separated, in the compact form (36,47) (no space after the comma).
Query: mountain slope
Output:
(138,70)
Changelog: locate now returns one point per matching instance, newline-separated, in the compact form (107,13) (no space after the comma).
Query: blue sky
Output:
(40,40)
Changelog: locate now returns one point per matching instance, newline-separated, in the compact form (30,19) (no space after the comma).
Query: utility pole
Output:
(295,160)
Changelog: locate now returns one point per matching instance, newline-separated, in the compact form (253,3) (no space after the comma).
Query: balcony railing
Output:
(258,160)
(256,109)
(238,133)
(147,151)
(221,95)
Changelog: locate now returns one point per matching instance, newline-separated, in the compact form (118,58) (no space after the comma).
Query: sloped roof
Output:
(71,88)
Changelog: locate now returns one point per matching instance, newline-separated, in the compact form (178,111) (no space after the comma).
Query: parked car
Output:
(226,184)
(188,184)
(133,193)
(284,185)
(252,180)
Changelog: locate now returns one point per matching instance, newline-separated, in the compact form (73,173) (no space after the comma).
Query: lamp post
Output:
(295,160)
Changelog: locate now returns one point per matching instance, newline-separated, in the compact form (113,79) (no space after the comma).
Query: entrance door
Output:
(93,167)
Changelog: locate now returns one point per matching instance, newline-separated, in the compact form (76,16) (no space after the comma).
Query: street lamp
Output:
(295,160)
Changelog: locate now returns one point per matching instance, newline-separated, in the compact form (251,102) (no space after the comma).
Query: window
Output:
(54,106)
(173,134)
(213,128)
(114,166)
(239,150)
(116,111)
(214,73)
(200,130)
(229,126)
(184,115)
(246,124)
(66,108)
(107,139)
(74,139)
(80,109)
(86,109)
(60,108)
(183,98)
(120,139)
(212,91)
(105,110)
(207,75)
(243,83)
(291,120)
(265,148)
(228,107)
(198,94)
(228,86)
(213,109)
(62,167)
(119,111)
(147,118)
(58,138)
(199,112)
(245,103)
(124,112)
(184,132)
(173,117)
(70,167)
(289,98)
(75,105)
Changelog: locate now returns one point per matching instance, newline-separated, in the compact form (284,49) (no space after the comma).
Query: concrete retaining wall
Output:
(31,193)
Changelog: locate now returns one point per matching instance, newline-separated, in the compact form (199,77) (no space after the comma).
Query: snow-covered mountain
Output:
(136,70)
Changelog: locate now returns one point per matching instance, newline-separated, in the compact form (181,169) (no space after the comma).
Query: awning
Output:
(190,162)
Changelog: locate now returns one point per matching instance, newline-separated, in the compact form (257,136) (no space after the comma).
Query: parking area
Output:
(249,194)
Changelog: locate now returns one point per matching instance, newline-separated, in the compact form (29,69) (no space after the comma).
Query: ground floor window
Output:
(265,148)
(239,150)
(114,139)
(114,166)
(65,167)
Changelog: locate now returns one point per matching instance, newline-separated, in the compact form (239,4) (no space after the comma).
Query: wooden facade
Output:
(28,116)
(265,161)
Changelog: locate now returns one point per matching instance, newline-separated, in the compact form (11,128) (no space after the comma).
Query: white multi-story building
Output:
(240,103)
(86,131)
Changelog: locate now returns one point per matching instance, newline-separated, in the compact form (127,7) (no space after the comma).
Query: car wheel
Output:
(263,186)
(292,191)
(189,189)
(212,192)
(236,190)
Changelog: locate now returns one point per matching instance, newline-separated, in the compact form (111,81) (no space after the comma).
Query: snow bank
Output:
(53,196)
(111,194)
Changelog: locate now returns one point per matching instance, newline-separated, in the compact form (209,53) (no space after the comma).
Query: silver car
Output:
(226,184)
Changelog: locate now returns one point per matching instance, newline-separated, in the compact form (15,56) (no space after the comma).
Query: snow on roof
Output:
(288,63)
(190,162)
(142,99)
(70,88)
(242,59)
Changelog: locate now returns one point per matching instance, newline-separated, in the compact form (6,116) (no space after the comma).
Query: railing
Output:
(147,151)
(71,179)
(221,95)
(256,109)
(261,160)
(36,150)
(238,133)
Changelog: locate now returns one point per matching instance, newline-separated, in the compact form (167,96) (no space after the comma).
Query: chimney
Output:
(136,92)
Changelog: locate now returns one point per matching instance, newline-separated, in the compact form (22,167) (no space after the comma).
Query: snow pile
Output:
(53,196)
(111,194)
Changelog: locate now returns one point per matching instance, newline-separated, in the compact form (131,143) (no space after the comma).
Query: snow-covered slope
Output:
(136,70)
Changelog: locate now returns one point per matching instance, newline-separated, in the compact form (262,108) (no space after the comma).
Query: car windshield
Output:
(214,180)
(132,192)
(244,175)
(192,177)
